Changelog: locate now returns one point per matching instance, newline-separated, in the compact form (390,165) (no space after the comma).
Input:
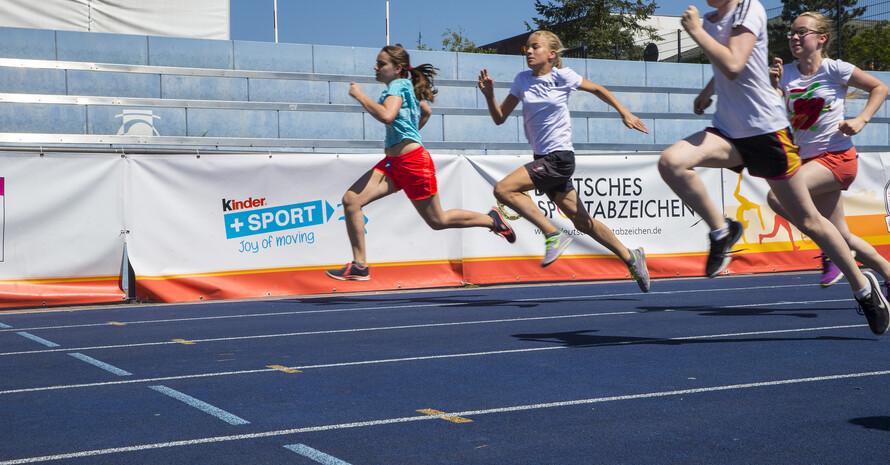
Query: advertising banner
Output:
(228,226)
(61,228)
(252,225)
(623,192)
(771,243)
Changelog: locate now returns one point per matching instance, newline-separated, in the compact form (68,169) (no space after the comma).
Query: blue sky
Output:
(361,23)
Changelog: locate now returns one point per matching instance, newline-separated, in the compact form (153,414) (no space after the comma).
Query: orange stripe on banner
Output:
(62,291)
(295,281)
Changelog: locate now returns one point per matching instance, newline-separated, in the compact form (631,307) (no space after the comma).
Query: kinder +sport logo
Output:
(242,222)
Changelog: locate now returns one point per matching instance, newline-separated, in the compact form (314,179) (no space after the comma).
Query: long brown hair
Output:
(421,76)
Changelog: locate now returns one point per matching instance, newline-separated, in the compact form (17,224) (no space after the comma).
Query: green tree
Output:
(599,24)
(868,49)
(778,41)
(456,41)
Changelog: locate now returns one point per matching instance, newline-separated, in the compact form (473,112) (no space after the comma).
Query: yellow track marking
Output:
(283,368)
(430,411)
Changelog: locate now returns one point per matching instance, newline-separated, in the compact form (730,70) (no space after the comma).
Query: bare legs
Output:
(374,185)
(826,195)
(510,191)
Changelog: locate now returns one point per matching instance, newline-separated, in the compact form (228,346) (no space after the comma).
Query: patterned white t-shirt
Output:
(815,106)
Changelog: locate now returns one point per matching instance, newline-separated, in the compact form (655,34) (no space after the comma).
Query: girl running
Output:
(751,130)
(544,92)
(814,88)
(407,165)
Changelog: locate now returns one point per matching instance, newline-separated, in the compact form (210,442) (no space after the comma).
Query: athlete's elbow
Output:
(733,72)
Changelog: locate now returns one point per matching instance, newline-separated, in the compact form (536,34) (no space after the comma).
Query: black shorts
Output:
(553,172)
(772,155)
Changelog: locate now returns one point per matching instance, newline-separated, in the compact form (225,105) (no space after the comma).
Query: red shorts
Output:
(413,171)
(843,165)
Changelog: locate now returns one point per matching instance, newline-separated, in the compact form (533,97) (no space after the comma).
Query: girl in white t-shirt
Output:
(751,131)
(815,88)
(544,92)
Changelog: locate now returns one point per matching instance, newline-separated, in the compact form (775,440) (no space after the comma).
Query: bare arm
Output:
(729,60)
(499,113)
(385,113)
(877,92)
(425,112)
(629,119)
(703,101)
(775,75)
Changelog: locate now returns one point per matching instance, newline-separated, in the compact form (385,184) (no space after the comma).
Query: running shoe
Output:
(721,249)
(830,272)
(554,248)
(874,306)
(638,270)
(501,227)
(350,272)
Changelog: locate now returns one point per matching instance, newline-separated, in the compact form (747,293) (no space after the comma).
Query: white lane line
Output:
(389,421)
(411,359)
(201,405)
(39,340)
(389,328)
(401,307)
(100,364)
(328,331)
(315,455)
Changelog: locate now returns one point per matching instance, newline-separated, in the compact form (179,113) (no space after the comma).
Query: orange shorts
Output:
(413,171)
(842,164)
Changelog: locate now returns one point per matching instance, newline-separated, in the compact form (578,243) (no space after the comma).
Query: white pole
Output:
(275,18)
(387,23)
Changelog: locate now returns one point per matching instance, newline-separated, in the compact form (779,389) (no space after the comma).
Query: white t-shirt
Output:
(816,106)
(749,105)
(545,108)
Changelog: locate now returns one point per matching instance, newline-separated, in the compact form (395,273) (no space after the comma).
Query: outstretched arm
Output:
(499,113)
(629,119)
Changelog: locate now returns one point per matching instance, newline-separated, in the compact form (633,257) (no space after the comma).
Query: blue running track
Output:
(737,369)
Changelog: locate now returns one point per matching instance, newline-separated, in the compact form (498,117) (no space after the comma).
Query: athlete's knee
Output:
(501,192)
(436,223)
(350,201)
(671,162)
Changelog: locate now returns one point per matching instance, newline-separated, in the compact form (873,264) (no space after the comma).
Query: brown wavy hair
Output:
(421,76)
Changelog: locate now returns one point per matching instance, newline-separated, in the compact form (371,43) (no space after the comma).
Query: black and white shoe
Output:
(874,306)
(721,249)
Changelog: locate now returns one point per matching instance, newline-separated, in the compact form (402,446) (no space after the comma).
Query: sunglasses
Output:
(801,33)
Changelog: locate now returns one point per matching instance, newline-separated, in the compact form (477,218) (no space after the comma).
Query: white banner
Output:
(626,193)
(204,19)
(260,212)
(61,217)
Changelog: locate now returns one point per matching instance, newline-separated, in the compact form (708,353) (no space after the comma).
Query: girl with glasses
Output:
(815,89)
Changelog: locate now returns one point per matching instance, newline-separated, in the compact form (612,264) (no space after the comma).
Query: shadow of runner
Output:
(581,338)
(878,423)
